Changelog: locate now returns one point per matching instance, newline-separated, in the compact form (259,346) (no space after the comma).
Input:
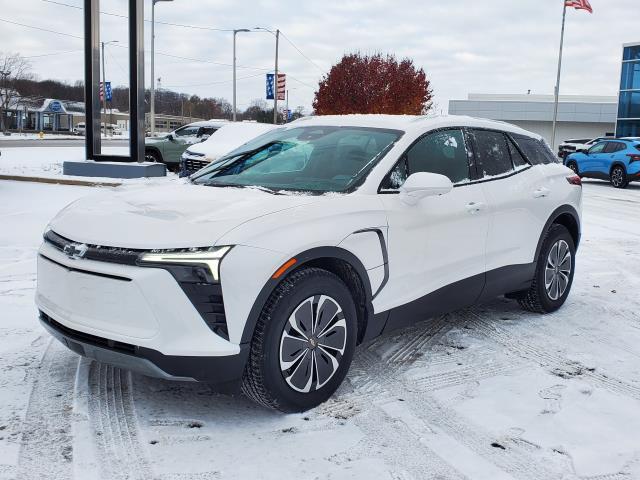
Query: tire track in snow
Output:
(383,383)
(546,356)
(46,450)
(515,461)
(114,422)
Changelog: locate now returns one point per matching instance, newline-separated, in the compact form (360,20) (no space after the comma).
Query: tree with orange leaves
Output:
(373,84)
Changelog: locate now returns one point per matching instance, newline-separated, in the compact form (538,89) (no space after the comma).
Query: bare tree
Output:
(13,68)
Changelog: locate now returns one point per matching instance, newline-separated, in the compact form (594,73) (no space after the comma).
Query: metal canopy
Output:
(92,83)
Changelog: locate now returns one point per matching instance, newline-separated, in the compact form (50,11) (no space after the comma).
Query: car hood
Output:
(181,216)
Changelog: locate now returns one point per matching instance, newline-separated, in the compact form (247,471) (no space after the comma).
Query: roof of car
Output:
(208,123)
(409,123)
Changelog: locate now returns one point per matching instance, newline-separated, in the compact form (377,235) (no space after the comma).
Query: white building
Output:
(578,116)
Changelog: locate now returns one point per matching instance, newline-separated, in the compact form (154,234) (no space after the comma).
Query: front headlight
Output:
(206,259)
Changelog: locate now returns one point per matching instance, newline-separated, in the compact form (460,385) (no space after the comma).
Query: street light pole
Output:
(235,32)
(152,115)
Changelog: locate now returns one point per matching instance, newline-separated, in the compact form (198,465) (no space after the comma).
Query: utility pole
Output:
(153,72)
(235,32)
(275,81)
(104,87)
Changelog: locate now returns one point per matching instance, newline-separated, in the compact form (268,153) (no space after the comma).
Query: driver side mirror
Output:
(424,184)
(170,137)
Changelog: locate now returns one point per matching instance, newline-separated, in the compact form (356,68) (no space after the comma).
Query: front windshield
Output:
(314,159)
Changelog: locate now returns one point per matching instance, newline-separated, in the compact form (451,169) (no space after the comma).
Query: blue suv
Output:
(616,160)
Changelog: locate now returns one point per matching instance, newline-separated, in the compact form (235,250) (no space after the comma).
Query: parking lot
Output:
(486,393)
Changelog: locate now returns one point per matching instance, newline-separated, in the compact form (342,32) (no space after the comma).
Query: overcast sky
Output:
(465,46)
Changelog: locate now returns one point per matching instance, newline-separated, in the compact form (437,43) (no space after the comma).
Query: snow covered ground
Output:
(486,393)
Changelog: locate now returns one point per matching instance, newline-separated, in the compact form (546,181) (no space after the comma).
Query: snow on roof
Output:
(407,123)
(229,137)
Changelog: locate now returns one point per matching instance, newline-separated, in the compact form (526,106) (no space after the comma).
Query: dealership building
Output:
(629,105)
(578,116)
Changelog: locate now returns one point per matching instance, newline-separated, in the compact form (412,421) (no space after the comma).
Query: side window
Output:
(442,152)
(187,132)
(493,152)
(536,151)
(613,147)
(598,148)
(516,157)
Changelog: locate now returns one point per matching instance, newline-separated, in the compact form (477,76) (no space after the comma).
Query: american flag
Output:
(579,5)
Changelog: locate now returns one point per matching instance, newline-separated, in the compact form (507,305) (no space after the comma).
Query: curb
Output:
(59,181)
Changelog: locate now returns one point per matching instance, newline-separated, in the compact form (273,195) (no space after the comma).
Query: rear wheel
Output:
(554,272)
(303,342)
(619,177)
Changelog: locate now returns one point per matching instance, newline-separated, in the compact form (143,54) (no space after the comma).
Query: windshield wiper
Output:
(236,185)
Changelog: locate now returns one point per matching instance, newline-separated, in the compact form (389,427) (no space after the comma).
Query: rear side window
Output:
(613,147)
(493,152)
(536,151)
(518,160)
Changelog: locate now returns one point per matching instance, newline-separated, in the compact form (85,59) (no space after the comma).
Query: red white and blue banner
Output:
(108,89)
(282,86)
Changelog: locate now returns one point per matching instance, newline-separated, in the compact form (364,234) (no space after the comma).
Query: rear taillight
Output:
(575,180)
(633,157)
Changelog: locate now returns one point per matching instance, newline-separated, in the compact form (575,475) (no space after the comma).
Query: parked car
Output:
(615,160)
(224,140)
(168,148)
(273,263)
(577,145)
(112,129)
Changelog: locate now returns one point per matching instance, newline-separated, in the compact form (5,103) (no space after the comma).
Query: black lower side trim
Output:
(225,371)
(456,296)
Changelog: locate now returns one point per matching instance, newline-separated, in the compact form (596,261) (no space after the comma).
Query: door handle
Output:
(541,192)
(474,207)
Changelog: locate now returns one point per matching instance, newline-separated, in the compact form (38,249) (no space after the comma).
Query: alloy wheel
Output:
(558,270)
(312,343)
(617,177)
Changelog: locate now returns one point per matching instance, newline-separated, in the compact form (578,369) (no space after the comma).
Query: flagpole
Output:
(557,89)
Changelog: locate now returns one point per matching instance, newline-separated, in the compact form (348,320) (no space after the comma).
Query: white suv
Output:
(269,266)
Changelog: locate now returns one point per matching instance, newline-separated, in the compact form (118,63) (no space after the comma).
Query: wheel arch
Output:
(155,150)
(337,260)
(617,163)
(567,216)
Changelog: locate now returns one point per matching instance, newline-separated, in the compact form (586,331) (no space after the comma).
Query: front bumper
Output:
(225,370)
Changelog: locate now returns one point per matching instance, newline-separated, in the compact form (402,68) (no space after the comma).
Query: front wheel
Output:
(554,272)
(573,166)
(303,343)
(619,177)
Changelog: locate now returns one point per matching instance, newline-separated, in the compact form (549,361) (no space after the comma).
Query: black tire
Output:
(537,298)
(618,177)
(263,379)
(573,166)
(152,156)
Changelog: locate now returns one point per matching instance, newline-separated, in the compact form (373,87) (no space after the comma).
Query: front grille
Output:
(122,256)
(205,297)
(88,338)
(193,166)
